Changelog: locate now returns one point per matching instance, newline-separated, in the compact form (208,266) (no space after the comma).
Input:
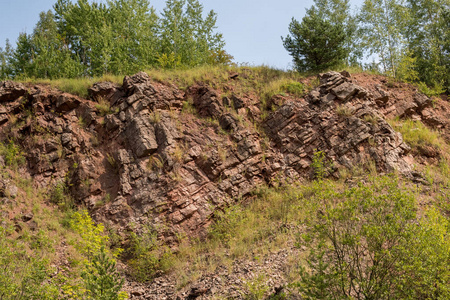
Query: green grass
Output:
(416,134)
(76,86)
(30,250)
(251,79)
(268,223)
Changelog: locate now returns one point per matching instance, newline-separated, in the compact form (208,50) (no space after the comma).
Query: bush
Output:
(101,278)
(149,257)
(92,237)
(22,276)
(12,153)
(370,245)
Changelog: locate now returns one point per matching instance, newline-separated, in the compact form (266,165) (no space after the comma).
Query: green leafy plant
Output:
(256,288)
(101,279)
(319,165)
(316,50)
(13,154)
(149,256)
(369,244)
(295,88)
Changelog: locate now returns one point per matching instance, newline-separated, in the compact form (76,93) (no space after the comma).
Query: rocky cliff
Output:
(148,154)
(157,155)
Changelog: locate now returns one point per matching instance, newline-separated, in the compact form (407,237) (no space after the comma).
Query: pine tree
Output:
(338,13)
(101,278)
(315,44)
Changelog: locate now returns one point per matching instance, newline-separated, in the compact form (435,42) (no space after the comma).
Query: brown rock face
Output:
(340,120)
(11,91)
(151,163)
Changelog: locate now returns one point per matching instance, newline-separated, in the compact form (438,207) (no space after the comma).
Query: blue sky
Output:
(252,28)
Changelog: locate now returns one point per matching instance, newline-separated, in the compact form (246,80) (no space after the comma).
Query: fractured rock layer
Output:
(149,162)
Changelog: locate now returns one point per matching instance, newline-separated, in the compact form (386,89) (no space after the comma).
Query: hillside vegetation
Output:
(341,227)
(138,161)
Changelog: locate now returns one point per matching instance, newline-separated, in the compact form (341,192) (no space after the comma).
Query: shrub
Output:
(101,278)
(256,288)
(368,244)
(92,238)
(12,153)
(294,88)
(149,256)
(318,165)
(22,276)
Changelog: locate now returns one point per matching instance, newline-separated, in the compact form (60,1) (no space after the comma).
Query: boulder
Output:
(140,136)
(66,102)
(10,91)
(105,90)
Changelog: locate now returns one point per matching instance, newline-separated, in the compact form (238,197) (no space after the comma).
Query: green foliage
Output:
(186,38)
(256,288)
(406,70)
(430,91)
(92,237)
(101,278)
(315,44)
(338,13)
(227,221)
(60,196)
(117,37)
(104,107)
(13,154)
(59,193)
(149,256)
(369,245)
(409,39)
(294,88)
(416,134)
(22,276)
(169,61)
(427,32)
(319,165)
(382,22)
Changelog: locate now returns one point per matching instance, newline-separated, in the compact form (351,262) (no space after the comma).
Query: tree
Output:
(427,33)
(101,278)
(186,37)
(50,59)
(88,38)
(5,59)
(135,25)
(338,13)
(315,44)
(381,25)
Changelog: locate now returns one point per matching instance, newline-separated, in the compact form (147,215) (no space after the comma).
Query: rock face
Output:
(340,119)
(153,162)
(11,91)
